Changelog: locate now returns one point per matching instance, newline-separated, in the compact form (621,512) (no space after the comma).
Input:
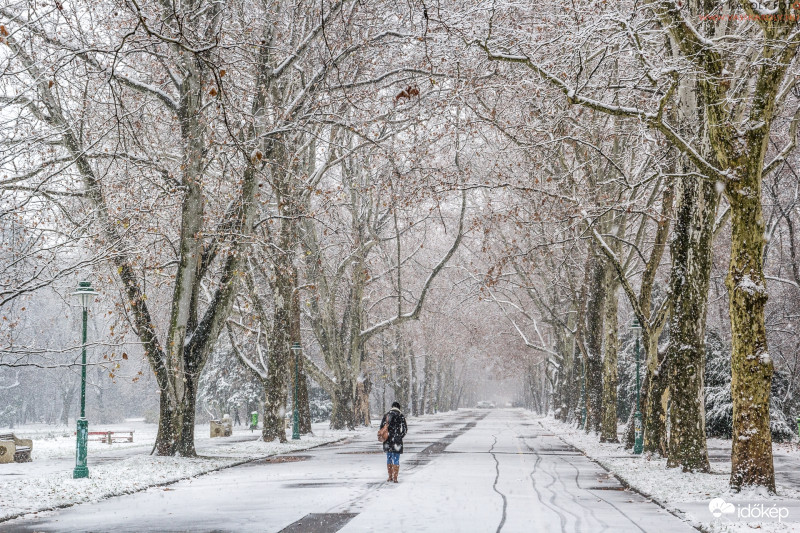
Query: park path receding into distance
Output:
(471,470)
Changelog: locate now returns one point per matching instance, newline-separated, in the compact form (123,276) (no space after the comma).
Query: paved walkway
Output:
(495,470)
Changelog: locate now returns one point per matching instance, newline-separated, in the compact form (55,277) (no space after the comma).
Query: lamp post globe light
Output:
(85,292)
(638,443)
(296,350)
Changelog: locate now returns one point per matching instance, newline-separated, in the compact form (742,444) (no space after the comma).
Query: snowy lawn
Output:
(689,494)
(51,442)
(125,468)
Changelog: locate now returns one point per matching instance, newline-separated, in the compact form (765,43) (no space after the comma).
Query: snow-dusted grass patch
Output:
(138,472)
(685,494)
(56,445)
(648,475)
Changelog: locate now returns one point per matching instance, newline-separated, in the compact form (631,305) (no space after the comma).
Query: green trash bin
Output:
(253,420)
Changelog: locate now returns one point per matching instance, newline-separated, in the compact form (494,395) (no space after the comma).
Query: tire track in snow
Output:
(621,512)
(552,499)
(591,512)
(565,491)
(555,479)
(494,486)
(577,475)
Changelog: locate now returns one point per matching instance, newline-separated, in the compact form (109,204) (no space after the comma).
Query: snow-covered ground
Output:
(470,470)
(690,494)
(51,442)
(123,468)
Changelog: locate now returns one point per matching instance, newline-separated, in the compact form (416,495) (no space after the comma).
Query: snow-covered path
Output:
(495,470)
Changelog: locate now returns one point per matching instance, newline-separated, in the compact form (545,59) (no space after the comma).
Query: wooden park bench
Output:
(13,449)
(110,436)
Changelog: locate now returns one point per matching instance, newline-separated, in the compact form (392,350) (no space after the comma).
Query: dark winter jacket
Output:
(397,430)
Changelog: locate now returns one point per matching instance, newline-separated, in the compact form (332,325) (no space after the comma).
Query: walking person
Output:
(236,420)
(394,423)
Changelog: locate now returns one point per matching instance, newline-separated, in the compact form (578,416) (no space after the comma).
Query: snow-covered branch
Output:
(414,314)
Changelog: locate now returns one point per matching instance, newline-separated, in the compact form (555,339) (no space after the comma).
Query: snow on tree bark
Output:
(595,309)
(608,431)
(304,406)
(689,281)
(283,284)
(751,365)
(738,119)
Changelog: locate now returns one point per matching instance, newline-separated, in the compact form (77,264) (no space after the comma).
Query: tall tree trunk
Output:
(545,395)
(608,431)
(689,282)
(169,425)
(302,398)
(437,389)
(66,404)
(452,386)
(413,383)
(302,381)
(276,388)
(363,389)
(629,436)
(655,405)
(575,386)
(183,313)
(595,307)
(401,374)
(427,374)
(384,374)
(654,393)
(282,360)
(188,409)
(751,365)
(280,365)
(342,416)
(563,378)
